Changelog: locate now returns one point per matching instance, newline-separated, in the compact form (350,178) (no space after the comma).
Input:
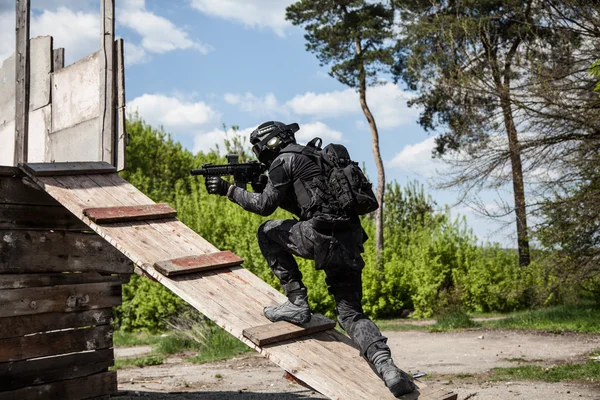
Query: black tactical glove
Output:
(258,185)
(216,185)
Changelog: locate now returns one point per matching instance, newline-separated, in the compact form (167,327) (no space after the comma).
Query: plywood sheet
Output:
(232,297)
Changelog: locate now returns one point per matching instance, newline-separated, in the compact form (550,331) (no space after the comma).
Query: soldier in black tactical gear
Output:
(334,239)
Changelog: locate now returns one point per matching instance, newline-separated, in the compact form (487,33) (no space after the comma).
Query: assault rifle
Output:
(242,173)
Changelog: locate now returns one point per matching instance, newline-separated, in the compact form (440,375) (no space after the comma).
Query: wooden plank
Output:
(10,171)
(187,265)
(64,298)
(19,281)
(15,191)
(120,131)
(58,59)
(28,324)
(280,331)
(18,374)
(107,215)
(54,343)
(103,383)
(67,168)
(17,216)
(22,81)
(59,251)
(107,80)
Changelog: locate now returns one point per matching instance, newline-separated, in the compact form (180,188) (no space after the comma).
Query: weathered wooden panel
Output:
(280,331)
(14,191)
(18,374)
(75,97)
(22,69)
(16,216)
(103,383)
(39,127)
(59,251)
(188,265)
(55,343)
(107,215)
(67,168)
(28,324)
(19,281)
(40,70)
(10,171)
(106,92)
(74,143)
(121,140)
(66,298)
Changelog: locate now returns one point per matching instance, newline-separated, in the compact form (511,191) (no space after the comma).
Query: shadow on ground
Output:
(240,395)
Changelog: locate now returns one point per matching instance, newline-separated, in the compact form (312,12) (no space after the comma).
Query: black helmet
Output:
(270,137)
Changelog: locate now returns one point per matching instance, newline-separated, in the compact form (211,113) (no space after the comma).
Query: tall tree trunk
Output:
(362,92)
(518,185)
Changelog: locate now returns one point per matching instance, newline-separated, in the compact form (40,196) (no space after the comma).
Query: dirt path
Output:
(468,354)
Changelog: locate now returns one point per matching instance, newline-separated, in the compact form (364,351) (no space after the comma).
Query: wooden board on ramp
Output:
(232,296)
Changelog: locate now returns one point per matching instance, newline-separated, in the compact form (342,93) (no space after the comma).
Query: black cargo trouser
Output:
(280,240)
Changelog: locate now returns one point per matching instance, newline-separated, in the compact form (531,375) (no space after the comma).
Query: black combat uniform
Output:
(335,242)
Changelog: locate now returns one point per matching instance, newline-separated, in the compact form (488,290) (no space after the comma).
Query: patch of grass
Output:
(130,339)
(589,372)
(220,345)
(172,344)
(516,359)
(454,318)
(139,362)
(577,318)
(398,325)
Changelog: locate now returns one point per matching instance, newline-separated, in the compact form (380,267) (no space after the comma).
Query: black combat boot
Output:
(398,381)
(295,309)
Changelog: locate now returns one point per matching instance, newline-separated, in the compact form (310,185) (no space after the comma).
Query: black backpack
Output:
(348,185)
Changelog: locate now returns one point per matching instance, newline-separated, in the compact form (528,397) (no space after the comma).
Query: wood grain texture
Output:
(103,383)
(22,81)
(10,171)
(279,331)
(17,216)
(108,215)
(232,297)
(67,168)
(204,262)
(19,374)
(28,324)
(15,191)
(64,298)
(59,251)
(54,343)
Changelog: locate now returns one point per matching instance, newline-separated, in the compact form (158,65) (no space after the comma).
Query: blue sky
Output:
(193,65)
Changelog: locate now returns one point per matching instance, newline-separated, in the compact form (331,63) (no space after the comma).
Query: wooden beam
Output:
(67,168)
(20,281)
(279,331)
(121,138)
(22,81)
(58,59)
(107,80)
(10,171)
(54,343)
(28,324)
(65,298)
(59,251)
(18,374)
(72,389)
(16,191)
(18,217)
(204,262)
(107,215)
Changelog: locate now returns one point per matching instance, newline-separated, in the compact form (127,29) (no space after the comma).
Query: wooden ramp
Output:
(231,296)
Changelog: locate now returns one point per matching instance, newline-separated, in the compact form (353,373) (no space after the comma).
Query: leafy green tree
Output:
(352,35)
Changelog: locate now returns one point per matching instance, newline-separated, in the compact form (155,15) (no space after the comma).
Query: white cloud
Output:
(417,159)
(252,13)
(135,54)
(317,129)
(250,103)
(208,141)
(159,35)
(387,103)
(173,113)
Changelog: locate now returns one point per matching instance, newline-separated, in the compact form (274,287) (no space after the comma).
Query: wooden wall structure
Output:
(58,284)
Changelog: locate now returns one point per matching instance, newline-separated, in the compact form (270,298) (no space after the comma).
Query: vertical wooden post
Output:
(58,59)
(107,81)
(22,81)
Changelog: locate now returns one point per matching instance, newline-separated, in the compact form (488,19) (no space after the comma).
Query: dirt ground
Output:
(460,360)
